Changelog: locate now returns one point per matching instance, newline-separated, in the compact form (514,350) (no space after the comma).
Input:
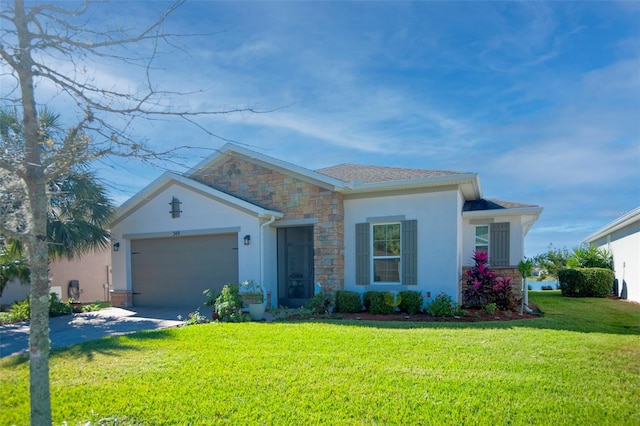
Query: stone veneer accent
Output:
(121,298)
(501,271)
(296,199)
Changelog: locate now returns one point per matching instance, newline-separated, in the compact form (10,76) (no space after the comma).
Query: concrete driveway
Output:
(77,328)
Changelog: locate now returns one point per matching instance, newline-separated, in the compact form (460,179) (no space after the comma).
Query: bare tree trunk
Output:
(35,180)
(39,335)
(31,161)
(39,343)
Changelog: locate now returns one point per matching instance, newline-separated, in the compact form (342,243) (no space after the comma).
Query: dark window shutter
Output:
(499,244)
(410,252)
(363,254)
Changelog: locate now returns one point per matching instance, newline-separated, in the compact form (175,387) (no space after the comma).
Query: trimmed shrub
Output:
(572,283)
(378,302)
(410,301)
(320,303)
(442,306)
(348,301)
(586,282)
(366,300)
(599,281)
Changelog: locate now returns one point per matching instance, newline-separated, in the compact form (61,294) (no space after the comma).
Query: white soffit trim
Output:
(621,222)
(520,211)
(167,178)
(468,183)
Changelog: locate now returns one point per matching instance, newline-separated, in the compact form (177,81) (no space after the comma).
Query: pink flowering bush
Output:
(484,286)
(228,305)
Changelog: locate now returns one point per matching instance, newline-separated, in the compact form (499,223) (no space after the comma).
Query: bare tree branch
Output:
(50,45)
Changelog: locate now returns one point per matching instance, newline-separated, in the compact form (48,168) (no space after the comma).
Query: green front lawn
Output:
(576,365)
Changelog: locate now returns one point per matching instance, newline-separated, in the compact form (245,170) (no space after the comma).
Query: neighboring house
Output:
(622,238)
(85,279)
(242,215)
(13,292)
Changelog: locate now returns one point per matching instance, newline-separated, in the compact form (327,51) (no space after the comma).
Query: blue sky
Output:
(541,99)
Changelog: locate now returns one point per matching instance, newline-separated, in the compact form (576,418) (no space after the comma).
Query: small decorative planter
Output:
(256,311)
(251,298)
(252,295)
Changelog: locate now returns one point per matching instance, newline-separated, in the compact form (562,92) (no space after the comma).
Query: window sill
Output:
(388,287)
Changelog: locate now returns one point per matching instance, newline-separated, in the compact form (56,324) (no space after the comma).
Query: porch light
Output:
(175,208)
(247,240)
(116,247)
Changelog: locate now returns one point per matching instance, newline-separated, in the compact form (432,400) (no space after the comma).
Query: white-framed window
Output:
(386,252)
(495,240)
(482,239)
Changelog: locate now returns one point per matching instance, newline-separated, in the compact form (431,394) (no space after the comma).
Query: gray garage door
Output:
(175,271)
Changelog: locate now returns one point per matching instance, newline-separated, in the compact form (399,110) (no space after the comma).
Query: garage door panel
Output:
(175,271)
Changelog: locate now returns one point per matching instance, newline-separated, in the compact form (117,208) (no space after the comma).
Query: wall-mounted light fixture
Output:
(175,208)
(247,240)
(116,247)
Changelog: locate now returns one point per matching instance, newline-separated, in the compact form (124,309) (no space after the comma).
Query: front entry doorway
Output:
(295,266)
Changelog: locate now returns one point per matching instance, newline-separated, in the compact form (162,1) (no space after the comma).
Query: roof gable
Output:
(168,178)
(348,178)
(233,151)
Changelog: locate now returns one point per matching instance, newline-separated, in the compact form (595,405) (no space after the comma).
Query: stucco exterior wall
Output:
(437,213)
(92,270)
(297,200)
(13,291)
(201,215)
(516,237)
(624,244)
(460,242)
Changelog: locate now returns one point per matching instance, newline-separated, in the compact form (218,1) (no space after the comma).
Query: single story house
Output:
(241,215)
(622,238)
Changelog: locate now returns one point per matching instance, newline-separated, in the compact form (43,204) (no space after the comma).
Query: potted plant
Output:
(253,295)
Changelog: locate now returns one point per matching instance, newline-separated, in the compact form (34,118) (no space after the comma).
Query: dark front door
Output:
(295,266)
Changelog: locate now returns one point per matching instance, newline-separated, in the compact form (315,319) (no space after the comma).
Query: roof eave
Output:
(468,182)
(611,227)
(517,211)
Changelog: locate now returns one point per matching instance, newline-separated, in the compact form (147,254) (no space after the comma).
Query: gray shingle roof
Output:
(371,174)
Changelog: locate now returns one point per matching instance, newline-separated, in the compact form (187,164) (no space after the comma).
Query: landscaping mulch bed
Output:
(475,315)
